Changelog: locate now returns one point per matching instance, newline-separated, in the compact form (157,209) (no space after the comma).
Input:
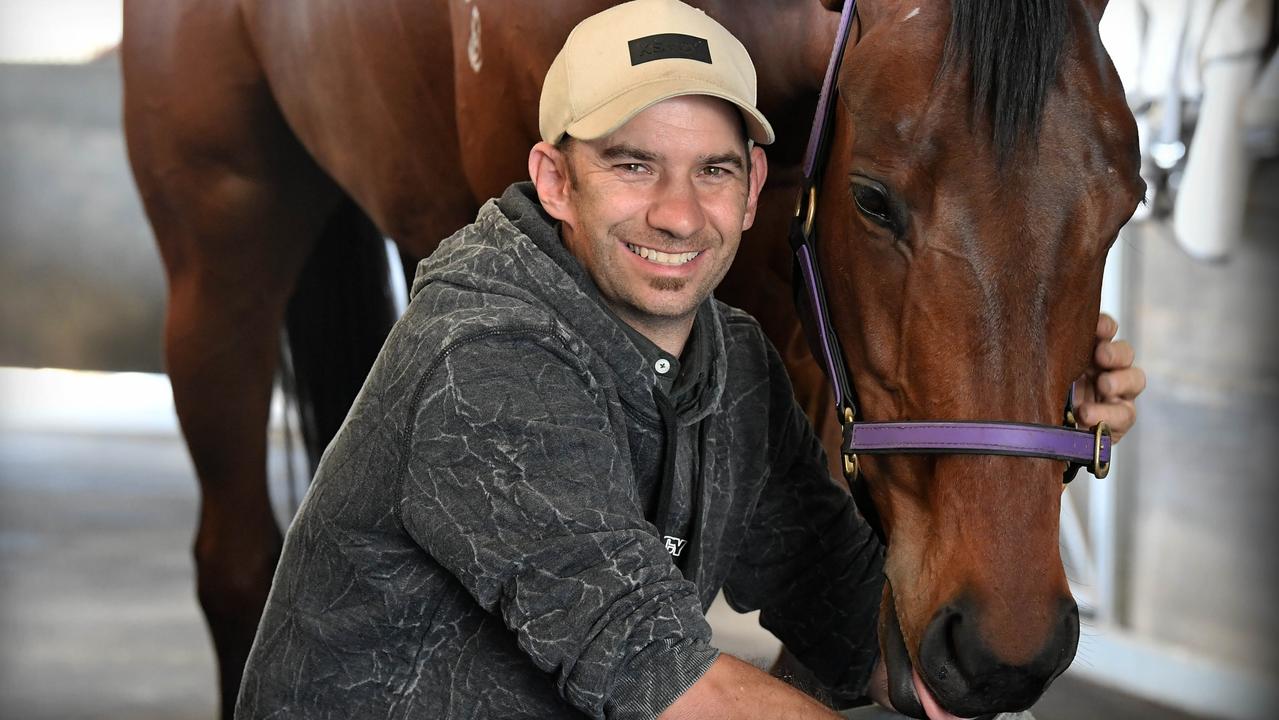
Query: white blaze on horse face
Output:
(473,45)
(911,14)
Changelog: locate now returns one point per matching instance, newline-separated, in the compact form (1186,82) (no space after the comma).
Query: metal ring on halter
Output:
(812,211)
(850,459)
(1098,470)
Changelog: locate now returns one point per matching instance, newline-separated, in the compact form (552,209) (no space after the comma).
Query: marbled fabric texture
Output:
(478,541)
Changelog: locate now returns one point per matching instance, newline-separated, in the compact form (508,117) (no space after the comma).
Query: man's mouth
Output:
(661,258)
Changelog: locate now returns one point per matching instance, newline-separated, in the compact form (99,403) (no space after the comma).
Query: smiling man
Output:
(567,447)
(654,211)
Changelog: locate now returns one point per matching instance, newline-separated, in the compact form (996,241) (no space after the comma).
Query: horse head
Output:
(981,163)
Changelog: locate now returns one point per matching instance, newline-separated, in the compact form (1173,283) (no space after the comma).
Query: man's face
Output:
(655,211)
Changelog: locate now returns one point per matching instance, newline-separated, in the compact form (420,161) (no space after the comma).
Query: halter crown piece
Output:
(1079,448)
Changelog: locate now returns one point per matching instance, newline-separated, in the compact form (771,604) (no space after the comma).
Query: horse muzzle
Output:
(958,675)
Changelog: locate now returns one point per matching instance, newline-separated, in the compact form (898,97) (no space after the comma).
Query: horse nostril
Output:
(942,655)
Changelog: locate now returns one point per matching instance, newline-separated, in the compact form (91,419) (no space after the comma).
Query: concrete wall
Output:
(1202,572)
(81,284)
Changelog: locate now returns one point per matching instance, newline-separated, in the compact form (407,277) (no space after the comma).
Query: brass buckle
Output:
(810,206)
(812,211)
(850,459)
(1100,471)
(850,466)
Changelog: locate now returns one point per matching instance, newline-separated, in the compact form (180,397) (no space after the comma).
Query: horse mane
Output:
(1013,48)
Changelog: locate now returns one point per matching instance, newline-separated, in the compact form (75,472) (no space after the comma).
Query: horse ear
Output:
(833,5)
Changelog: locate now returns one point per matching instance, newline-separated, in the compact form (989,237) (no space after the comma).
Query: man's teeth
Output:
(662,258)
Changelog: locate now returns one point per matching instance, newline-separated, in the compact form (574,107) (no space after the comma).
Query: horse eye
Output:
(873,203)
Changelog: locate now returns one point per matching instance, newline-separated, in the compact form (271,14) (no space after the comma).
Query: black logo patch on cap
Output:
(667,46)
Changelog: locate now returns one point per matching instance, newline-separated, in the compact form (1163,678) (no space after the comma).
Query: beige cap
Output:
(620,61)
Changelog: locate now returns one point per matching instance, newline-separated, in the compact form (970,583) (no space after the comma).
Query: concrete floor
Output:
(97,605)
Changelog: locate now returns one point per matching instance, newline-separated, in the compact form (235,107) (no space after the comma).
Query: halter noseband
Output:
(1079,448)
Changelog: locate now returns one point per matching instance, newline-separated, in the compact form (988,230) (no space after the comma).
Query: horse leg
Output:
(236,205)
(221,346)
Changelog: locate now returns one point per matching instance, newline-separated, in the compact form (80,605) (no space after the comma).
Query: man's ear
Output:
(759,173)
(548,168)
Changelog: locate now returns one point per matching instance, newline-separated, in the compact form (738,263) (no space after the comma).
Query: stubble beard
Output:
(661,284)
(655,308)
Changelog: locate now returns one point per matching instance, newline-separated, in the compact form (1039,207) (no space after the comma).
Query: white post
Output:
(1103,494)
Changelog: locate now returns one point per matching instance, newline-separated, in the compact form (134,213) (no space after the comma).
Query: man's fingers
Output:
(1110,397)
(1118,416)
(1113,355)
(1106,327)
(1124,384)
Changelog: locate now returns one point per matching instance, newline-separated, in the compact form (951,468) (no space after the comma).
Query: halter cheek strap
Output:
(1079,448)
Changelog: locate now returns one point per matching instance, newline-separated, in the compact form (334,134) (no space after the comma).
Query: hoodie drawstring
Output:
(666,522)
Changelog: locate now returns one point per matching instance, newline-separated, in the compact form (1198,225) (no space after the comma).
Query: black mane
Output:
(1013,48)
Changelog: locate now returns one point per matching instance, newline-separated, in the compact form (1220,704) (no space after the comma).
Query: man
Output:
(566,443)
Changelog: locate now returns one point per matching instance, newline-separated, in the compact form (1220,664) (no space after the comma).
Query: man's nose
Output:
(676,209)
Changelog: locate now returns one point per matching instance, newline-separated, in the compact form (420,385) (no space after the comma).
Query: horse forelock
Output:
(1013,49)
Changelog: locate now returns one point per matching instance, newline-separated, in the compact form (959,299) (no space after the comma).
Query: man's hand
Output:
(1107,390)
(734,690)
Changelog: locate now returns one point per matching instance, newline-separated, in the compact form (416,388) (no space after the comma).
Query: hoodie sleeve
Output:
(516,481)
(815,568)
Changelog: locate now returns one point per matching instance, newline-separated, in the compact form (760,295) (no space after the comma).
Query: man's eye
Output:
(632,167)
(715,171)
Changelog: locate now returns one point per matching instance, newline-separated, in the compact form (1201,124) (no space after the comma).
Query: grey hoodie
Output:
(482,538)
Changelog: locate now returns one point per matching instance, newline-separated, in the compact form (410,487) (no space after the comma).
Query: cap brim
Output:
(618,111)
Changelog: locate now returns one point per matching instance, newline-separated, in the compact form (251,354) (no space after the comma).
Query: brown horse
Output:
(982,162)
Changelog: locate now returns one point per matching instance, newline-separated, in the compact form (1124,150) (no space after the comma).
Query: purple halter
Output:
(1079,448)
